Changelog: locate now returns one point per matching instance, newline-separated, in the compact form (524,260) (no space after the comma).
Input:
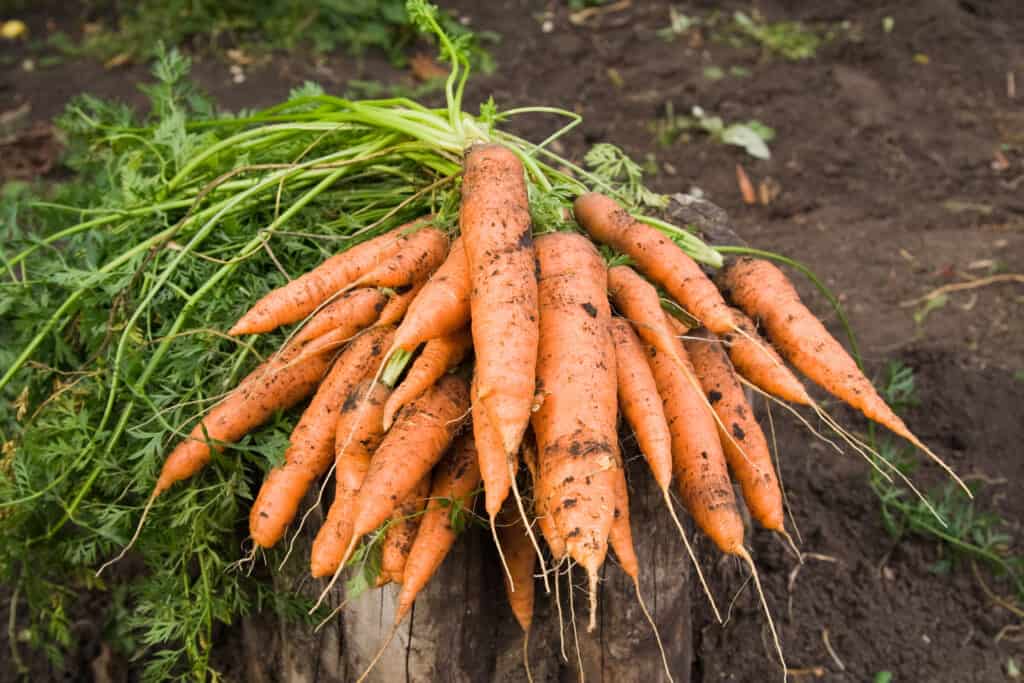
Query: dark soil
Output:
(891,185)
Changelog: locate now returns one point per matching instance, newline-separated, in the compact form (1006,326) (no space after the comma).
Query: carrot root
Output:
(654,627)
(501,556)
(745,556)
(135,536)
(693,556)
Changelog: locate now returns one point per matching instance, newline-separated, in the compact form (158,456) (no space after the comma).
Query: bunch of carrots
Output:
(439,363)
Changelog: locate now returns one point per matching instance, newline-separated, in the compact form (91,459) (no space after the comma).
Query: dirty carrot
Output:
(401,532)
(419,256)
(438,357)
(442,306)
(398,303)
(761,364)
(348,314)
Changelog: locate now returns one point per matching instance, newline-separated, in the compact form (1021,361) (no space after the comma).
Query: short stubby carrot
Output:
(398,303)
(277,384)
(351,312)
(752,468)
(442,306)
(698,460)
(454,484)
(522,560)
(658,257)
(494,219)
(311,445)
(575,424)
(760,363)
(438,357)
(300,297)
(416,441)
(356,438)
(401,532)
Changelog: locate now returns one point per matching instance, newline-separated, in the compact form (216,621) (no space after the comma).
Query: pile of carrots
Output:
(516,349)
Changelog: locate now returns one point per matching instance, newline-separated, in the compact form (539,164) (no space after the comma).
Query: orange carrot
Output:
(761,364)
(356,437)
(399,302)
(401,532)
(294,301)
(494,468)
(577,442)
(637,301)
(656,256)
(419,256)
(621,536)
(276,384)
(753,468)
(442,306)
(521,562)
(746,187)
(495,222)
(349,313)
(451,494)
(438,357)
(312,441)
(556,544)
(765,293)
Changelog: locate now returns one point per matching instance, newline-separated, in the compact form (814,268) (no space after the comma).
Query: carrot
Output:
(277,384)
(438,357)
(761,364)
(401,531)
(547,525)
(442,306)
(312,441)
(577,442)
(494,468)
(765,293)
(419,256)
(521,562)
(399,302)
(637,300)
(656,256)
(495,222)
(753,468)
(349,313)
(356,437)
(300,297)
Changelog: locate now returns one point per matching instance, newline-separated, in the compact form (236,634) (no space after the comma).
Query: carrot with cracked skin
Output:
(398,303)
(292,302)
(766,294)
(312,441)
(577,441)
(351,312)
(356,437)
(494,219)
(761,364)
(442,306)
(438,357)
(401,532)
(753,469)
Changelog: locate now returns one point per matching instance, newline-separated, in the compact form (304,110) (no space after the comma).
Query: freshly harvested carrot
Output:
(577,441)
(451,493)
(356,437)
(640,403)
(494,469)
(348,314)
(417,440)
(656,256)
(399,302)
(442,306)
(753,468)
(401,532)
(419,256)
(522,560)
(438,357)
(638,302)
(761,364)
(300,297)
(765,293)
(556,544)
(277,384)
(312,441)
(621,536)
(495,222)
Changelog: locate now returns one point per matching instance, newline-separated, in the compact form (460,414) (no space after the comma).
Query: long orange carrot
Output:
(637,300)
(312,441)
(419,256)
(348,314)
(442,306)
(294,301)
(494,468)
(401,532)
(556,544)
(577,442)
(765,293)
(760,363)
(753,468)
(495,222)
(522,560)
(438,357)
(356,437)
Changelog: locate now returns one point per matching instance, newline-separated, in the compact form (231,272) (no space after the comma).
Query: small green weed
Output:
(751,135)
(790,39)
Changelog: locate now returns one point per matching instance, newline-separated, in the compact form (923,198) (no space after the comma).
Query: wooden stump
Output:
(461,628)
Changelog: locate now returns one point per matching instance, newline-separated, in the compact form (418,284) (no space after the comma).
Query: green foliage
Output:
(753,136)
(790,39)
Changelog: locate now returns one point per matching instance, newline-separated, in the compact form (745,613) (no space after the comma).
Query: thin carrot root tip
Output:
(592,623)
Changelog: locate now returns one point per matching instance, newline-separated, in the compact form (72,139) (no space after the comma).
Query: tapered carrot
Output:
(494,468)
(300,297)
(442,306)
(494,218)
(556,544)
(753,469)
(656,256)
(398,303)
(760,363)
(401,532)
(521,563)
(577,442)
(312,441)
(438,357)
(357,435)
(348,314)
(765,293)
(419,256)
(637,300)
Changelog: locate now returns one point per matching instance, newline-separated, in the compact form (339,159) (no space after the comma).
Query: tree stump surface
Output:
(462,629)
